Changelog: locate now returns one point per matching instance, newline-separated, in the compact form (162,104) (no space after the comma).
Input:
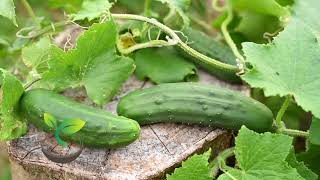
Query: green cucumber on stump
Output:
(193,103)
(102,129)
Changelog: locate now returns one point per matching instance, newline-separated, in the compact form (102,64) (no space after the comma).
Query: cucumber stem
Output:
(294,132)
(281,112)
(149,44)
(30,11)
(220,161)
(228,39)
(175,38)
(147,4)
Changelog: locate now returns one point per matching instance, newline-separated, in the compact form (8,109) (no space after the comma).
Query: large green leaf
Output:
(253,25)
(288,66)
(301,167)
(267,7)
(92,64)
(195,168)
(35,55)
(180,7)
(70,6)
(163,65)
(258,158)
(92,9)
(12,125)
(7,10)
(311,158)
(308,12)
(315,131)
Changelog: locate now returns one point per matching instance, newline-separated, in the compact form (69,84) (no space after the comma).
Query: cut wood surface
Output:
(160,148)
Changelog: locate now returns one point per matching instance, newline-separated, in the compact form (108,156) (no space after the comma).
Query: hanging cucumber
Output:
(102,129)
(211,48)
(193,103)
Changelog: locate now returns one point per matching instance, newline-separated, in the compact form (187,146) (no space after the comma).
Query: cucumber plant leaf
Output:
(177,7)
(287,66)
(7,9)
(35,56)
(12,126)
(195,167)
(308,12)
(69,6)
(311,158)
(50,120)
(266,7)
(93,64)
(92,9)
(315,131)
(257,157)
(305,172)
(163,65)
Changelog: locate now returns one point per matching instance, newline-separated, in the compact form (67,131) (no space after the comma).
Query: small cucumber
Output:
(193,103)
(102,129)
(211,48)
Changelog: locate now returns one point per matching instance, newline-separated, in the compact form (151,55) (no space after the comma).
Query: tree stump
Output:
(160,148)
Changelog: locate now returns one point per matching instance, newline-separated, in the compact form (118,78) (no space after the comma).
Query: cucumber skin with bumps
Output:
(211,48)
(102,129)
(193,103)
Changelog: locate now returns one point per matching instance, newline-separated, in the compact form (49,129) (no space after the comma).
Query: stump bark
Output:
(160,148)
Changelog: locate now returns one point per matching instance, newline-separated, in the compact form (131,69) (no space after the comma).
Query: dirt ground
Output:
(5,173)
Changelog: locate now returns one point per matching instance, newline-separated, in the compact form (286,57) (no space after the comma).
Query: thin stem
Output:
(282,111)
(33,33)
(227,37)
(294,132)
(149,44)
(181,44)
(30,11)
(147,4)
(201,23)
(219,161)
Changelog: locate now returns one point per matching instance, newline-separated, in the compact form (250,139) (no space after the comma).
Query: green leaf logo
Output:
(71,126)
(50,120)
(68,127)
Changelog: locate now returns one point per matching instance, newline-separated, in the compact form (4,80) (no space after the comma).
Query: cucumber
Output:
(102,129)
(193,103)
(211,48)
